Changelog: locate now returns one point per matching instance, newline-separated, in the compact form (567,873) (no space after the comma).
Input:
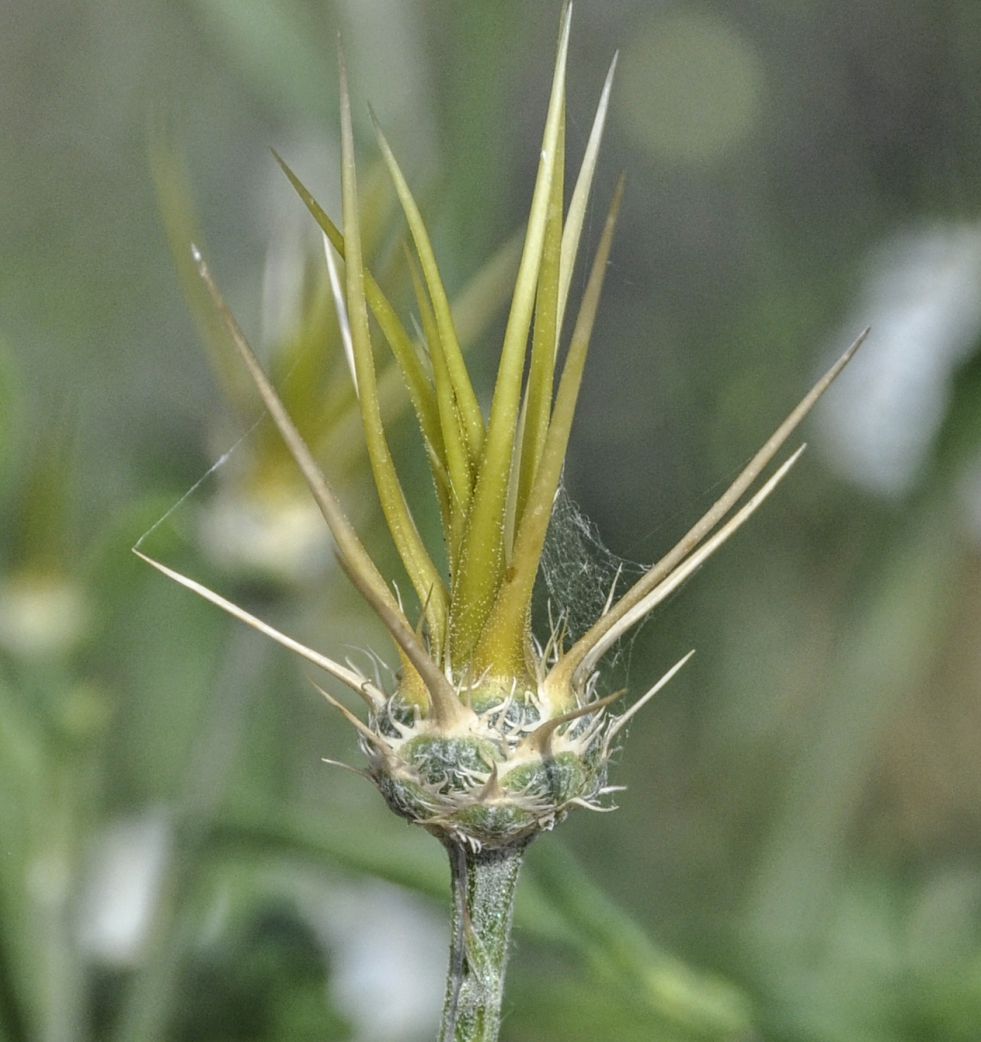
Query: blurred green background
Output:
(796,858)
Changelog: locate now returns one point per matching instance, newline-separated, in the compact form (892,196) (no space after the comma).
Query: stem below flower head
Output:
(484,884)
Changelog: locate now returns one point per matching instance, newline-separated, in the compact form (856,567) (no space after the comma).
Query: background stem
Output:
(484,885)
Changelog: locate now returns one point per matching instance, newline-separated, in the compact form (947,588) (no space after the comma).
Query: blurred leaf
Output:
(610,941)
(883,650)
(570,1008)
(9,410)
(276,51)
(277,992)
(562,906)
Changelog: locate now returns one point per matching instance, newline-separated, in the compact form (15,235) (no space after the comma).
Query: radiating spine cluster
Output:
(490,737)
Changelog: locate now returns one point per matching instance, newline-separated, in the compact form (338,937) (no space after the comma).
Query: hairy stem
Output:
(484,885)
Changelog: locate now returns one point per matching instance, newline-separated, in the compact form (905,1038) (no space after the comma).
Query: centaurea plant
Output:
(490,735)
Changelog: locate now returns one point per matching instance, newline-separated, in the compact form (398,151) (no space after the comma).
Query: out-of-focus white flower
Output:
(384,941)
(128,862)
(275,536)
(42,614)
(921,297)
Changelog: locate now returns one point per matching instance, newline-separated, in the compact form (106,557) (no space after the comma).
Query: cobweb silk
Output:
(579,572)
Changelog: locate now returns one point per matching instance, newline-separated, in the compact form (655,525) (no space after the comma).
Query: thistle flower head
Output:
(490,735)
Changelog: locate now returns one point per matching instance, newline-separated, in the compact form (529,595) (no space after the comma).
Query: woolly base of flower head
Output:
(513,771)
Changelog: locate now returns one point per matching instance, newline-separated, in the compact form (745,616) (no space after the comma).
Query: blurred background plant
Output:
(797,856)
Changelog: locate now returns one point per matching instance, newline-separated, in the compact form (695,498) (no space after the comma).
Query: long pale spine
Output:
(484,884)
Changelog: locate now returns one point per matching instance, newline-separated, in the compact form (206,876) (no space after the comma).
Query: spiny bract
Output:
(490,737)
